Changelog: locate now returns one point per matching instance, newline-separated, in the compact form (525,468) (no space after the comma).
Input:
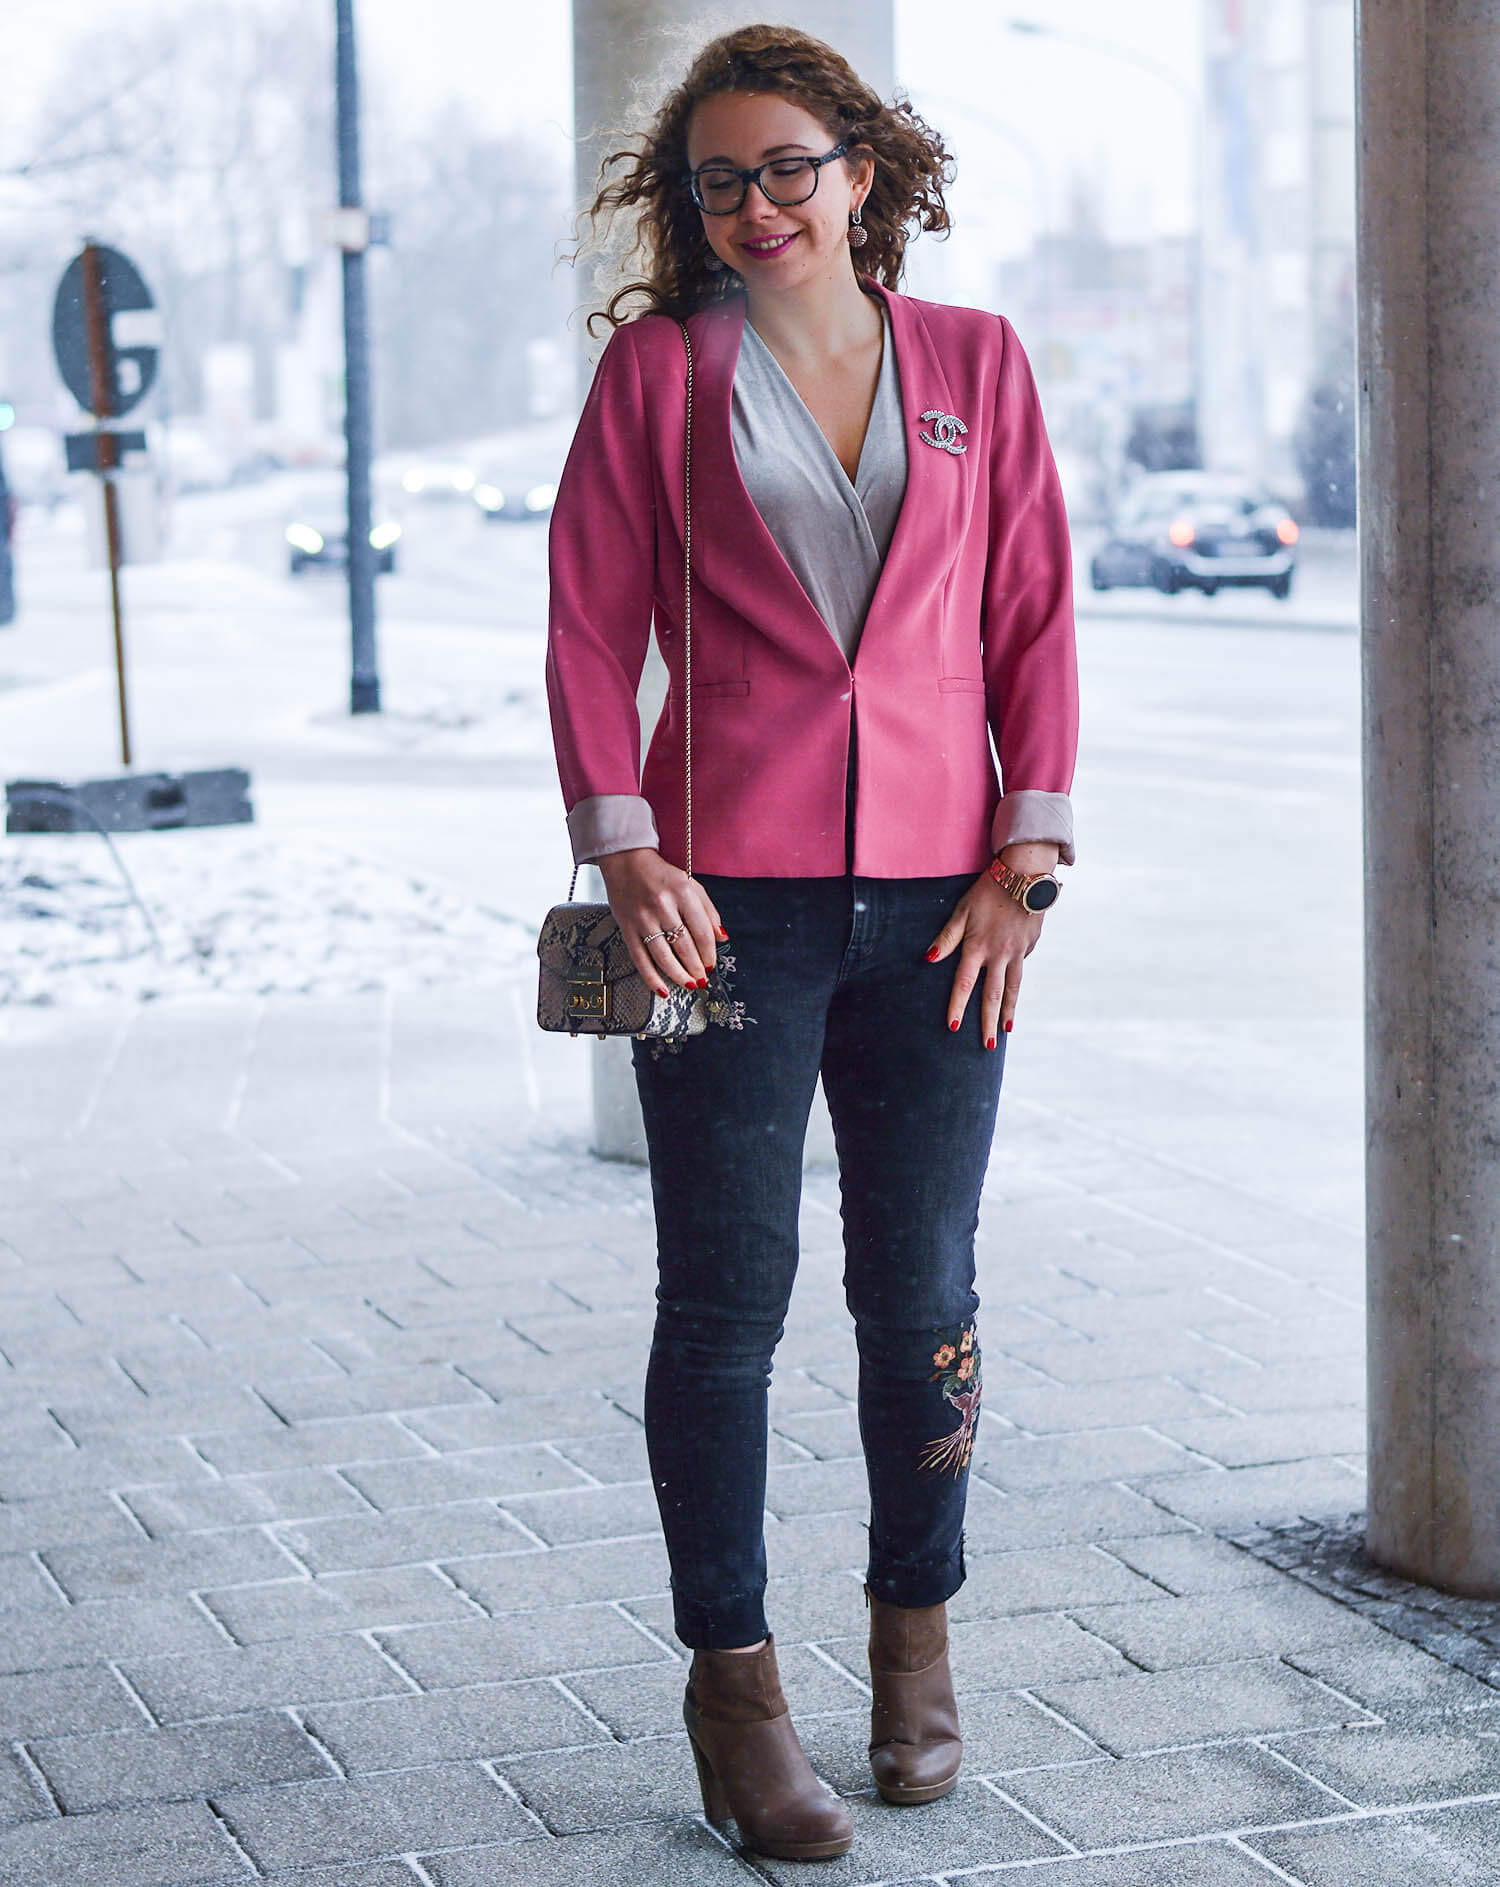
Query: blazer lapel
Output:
(735,554)
(733,551)
(929,526)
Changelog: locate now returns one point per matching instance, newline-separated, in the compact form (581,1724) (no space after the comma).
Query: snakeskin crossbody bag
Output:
(588,984)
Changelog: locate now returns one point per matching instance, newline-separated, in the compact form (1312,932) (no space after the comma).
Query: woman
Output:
(881,580)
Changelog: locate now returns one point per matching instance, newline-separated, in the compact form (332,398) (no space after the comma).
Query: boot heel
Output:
(751,1769)
(715,1801)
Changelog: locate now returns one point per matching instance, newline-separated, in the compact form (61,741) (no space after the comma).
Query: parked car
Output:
(519,500)
(8,509)
(1198,530)
(321,536)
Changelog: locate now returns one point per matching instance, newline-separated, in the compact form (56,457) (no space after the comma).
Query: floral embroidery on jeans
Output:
(959,1373)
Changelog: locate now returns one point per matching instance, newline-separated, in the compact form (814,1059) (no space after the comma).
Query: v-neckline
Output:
(851,485)
(928,503)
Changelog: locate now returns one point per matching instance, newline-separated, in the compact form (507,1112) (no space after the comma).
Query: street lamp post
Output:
(1193,100)
(364,682)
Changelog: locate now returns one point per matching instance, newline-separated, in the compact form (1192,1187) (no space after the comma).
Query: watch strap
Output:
(1017,883)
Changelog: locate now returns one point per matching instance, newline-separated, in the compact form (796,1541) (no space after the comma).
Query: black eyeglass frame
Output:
(748,177)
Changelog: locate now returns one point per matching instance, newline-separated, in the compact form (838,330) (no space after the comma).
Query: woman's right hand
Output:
(648,897)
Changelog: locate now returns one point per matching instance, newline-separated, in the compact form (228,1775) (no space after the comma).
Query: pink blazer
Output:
(969,635)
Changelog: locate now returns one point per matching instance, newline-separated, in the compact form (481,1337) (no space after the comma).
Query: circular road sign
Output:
(130,330)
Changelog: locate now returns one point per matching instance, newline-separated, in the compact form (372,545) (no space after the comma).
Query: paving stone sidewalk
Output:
(330,1553)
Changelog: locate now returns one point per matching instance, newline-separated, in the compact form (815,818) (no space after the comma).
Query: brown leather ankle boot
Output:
(915,1746)
(750,1764)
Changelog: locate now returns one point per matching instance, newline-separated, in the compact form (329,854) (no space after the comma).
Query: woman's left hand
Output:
(993,937)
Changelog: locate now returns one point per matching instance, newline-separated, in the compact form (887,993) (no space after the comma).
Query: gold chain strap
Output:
(687,601)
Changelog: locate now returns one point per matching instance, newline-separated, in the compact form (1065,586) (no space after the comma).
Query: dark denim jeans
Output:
(834,973)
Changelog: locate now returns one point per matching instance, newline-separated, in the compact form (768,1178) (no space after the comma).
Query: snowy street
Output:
(233,662)
(1212,922)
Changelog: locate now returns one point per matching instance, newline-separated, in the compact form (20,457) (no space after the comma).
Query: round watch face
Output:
(1042,894)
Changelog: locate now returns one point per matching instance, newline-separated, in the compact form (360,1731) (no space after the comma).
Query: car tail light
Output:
(1287,531)
(1180,531)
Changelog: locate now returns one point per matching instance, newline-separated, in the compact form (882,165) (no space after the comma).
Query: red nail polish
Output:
(1008,1027)
(723,935)
(952,1025)
(661,992)
(990,1043)
(702,983)
(932,954)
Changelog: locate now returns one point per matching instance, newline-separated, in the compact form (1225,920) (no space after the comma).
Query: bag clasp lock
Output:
(588,994)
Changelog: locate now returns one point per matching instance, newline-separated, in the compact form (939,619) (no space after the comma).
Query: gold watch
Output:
(1034,891)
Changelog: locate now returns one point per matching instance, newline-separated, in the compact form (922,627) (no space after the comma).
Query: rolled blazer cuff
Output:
(1030,817)
(610,822)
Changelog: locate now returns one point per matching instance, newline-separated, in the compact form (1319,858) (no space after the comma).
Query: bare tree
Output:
(199,138)
(211,130)
(471,280)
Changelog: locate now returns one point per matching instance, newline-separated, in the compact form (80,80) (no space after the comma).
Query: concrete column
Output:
(626,54)
(1429,340)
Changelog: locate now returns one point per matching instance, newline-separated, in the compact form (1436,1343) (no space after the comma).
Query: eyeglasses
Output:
(720,189)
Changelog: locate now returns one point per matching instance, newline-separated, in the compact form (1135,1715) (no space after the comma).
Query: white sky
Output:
(1080,110)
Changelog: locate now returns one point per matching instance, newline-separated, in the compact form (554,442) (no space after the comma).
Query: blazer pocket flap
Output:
(959,685)
(718,688)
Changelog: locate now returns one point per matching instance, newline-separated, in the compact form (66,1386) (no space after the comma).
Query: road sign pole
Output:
(364,684)
(112,540)
(101,377)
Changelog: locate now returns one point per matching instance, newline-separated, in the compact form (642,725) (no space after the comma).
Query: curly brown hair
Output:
(912,168)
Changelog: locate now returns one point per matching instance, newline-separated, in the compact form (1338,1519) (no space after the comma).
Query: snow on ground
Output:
(228,909)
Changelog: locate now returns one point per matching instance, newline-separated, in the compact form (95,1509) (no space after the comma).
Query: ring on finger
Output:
(672,935)
(654,936)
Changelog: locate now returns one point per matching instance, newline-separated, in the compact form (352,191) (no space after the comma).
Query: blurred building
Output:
(1278,223)
(1109,331)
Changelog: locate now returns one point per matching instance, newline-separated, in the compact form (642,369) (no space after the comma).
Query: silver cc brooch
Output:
(947,427)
